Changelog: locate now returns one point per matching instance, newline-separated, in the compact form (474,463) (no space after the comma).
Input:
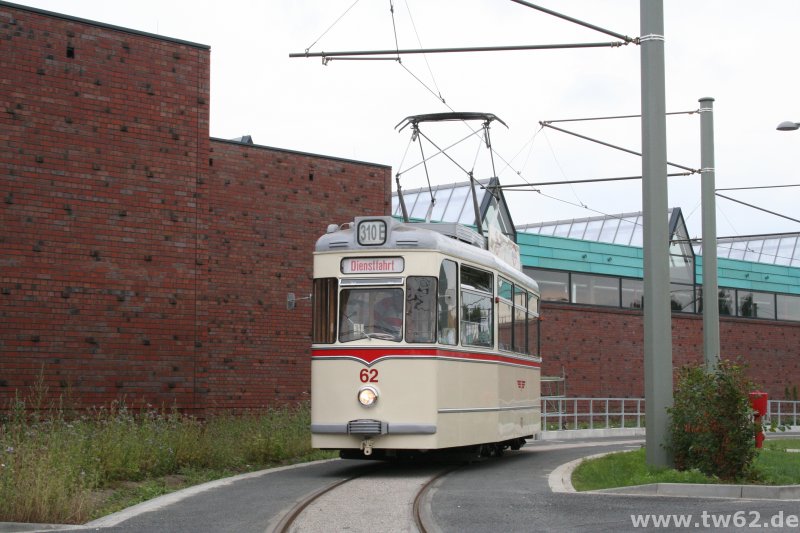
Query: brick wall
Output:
(266,210)
(139,261)
(102,138)
(601,350)
(142,260)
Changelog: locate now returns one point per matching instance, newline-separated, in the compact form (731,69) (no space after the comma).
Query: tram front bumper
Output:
(369,427)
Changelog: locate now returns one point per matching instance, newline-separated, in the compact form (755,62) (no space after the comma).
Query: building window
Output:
(595,290)
(628,293)
(553,286)
(632,293)
(681,298)
(755,304)
(726,302)
(788,307)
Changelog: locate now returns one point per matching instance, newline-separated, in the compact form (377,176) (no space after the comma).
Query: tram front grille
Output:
(367,427)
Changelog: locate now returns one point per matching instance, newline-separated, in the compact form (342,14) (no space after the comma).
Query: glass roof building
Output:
(625,229)
(778,249)
(453,203)
(599,260)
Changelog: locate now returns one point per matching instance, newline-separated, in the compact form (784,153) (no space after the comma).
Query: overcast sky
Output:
(743,54)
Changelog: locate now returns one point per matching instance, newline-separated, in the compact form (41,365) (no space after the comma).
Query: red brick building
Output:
(140,258)
(600,351)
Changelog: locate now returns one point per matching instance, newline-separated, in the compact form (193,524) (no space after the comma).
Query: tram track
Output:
(370,481)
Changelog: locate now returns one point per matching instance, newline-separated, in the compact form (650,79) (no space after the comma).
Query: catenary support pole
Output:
(657,310)
(709,208)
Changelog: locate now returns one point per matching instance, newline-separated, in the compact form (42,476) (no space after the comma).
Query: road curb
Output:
(689,490)
(560,480)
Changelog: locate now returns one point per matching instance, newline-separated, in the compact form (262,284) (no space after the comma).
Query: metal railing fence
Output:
(560,413)
(784,413)
(591,413)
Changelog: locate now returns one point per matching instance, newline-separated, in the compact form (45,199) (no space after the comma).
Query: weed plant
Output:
(53,462)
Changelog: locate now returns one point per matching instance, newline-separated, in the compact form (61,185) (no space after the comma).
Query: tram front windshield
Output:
(371,314)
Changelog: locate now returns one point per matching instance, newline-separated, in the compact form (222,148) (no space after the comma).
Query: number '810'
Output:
(368,375)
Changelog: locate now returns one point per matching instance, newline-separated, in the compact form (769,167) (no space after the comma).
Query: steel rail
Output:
(422,522)
(288,520)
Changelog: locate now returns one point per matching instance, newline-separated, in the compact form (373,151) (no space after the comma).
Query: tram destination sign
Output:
(372,265)
(371,232)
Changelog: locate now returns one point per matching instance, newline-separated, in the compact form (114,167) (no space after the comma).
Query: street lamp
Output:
(788,125)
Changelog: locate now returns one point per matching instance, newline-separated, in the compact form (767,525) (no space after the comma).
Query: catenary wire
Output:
(332,25)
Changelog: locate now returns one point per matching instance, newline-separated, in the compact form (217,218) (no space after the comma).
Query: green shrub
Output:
(711,428)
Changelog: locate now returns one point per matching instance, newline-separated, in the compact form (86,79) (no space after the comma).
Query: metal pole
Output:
(362,54)
(657,311)
(708,201)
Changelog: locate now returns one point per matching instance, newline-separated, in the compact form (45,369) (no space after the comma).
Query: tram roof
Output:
(450,239)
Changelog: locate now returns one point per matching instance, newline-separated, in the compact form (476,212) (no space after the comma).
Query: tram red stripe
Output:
(370,355)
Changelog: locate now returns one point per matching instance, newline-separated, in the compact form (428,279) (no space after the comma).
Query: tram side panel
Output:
(520,415)
(467,397)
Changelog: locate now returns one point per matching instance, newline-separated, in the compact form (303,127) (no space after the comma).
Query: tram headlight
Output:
(367,396)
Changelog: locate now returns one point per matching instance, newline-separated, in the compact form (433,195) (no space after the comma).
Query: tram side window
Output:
(420,309)
(448,304)
(505,316)
(514,317)
(324,310)
(533,324)
(477,320)
(520,319)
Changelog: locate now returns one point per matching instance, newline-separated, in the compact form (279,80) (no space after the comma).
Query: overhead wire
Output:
(758,208)
(438,96)
(424,56)
(394,27)
(346,11)
(756,187)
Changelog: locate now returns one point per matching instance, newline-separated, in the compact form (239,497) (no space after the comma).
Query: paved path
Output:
(513,493)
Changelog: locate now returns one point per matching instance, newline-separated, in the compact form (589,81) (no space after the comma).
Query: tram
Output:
(422,340)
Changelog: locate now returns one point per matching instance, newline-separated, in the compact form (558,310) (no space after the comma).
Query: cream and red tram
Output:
(420,342)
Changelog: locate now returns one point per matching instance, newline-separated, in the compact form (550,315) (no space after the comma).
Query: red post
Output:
(758,401)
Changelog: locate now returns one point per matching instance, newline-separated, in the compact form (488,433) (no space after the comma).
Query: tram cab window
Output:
(324,310)
(420,309)
(477,320)
(375,313)
(448,305)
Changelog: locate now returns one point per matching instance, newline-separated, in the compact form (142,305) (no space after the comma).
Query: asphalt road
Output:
(508,494)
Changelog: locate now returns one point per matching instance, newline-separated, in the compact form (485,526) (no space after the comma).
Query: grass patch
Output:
(57,467)
(773,465)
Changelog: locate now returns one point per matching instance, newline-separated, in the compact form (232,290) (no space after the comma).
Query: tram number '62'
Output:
(368,375)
